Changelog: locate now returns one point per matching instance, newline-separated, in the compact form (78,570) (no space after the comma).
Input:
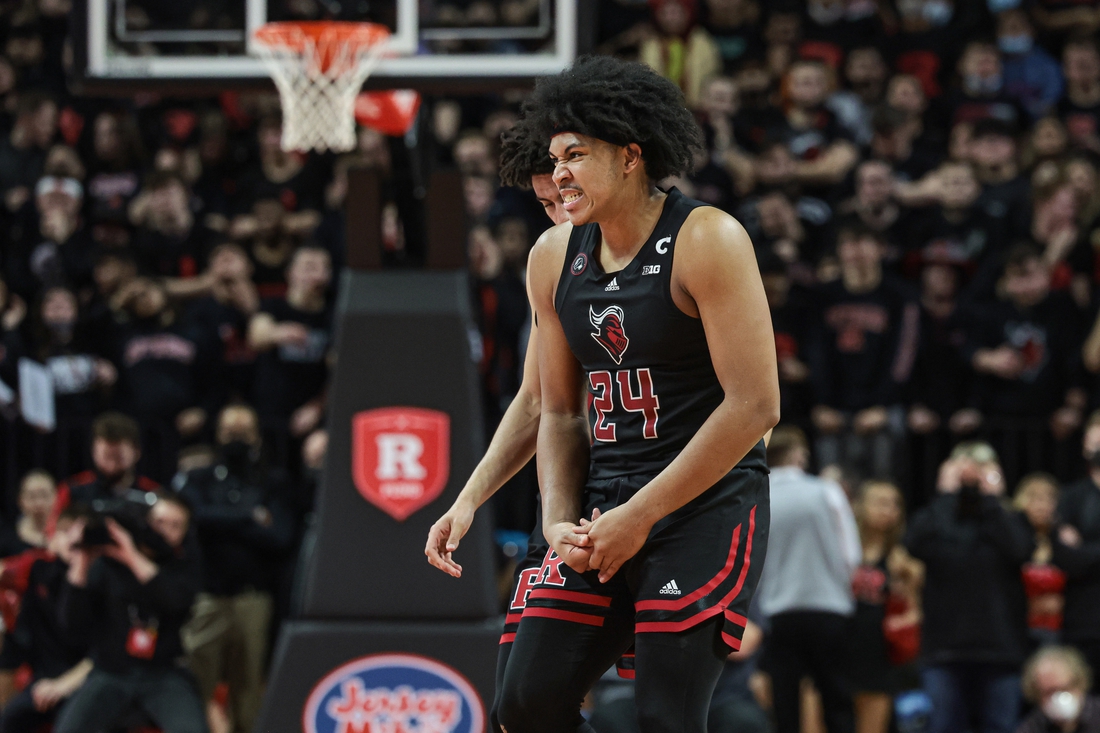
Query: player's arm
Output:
(512,446)
(563,435)
(716,270)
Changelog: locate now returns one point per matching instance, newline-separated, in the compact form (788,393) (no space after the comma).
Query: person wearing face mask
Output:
(1056,679)
(981,93)
(1031,75)
(1076,549)
(244,528)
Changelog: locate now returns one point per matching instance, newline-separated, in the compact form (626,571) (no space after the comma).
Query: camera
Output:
(130,511)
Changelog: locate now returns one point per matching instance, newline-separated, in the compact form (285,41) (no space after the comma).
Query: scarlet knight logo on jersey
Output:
(609,331)
(401,457)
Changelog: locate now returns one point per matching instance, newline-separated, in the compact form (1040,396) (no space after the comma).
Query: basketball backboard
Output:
(128,44)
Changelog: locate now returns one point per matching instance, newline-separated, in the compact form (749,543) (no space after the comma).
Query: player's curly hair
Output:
(619,102)
(523,155)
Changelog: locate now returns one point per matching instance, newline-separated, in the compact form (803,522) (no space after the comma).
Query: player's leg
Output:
(552,665)
(675,675)
(523,582)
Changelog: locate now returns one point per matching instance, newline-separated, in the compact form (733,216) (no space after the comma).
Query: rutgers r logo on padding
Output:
(579,264)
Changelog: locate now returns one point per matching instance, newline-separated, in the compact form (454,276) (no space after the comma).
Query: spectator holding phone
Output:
(129,606)
(975,611)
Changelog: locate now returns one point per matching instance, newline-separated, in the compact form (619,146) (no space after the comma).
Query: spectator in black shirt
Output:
(23,151)
(116,448)
(165,372)
(790,309)
(1079,109)
(814,137)
(1024,351)
(222,317)
(981,94)
(58,665)
(114,177)
(37,494)
(861,353)
(1006,193)
(974,638)
(1077,551)
(244,528)
(129,608)
(169,242)
(940,387)
(875,208)
(293,335)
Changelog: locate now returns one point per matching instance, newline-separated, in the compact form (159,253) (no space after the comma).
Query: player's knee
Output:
(528,706)
(658,715)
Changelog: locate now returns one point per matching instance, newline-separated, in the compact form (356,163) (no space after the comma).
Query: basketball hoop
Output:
(319,67)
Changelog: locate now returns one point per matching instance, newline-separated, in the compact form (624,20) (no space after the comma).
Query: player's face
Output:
(547,194)
(587,174)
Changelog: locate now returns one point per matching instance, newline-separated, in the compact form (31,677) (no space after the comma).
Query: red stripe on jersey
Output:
(733,642)
(626,674)
(577,618)
(513,618)
(507,638)
(590,599)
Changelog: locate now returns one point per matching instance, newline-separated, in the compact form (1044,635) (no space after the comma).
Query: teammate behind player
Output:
(524,164)
(655,303)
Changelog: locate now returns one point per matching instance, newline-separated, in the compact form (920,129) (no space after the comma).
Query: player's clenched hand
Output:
(571,547)
(444,536)
(615,536)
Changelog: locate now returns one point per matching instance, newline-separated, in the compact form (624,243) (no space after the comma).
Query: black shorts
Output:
(700,562)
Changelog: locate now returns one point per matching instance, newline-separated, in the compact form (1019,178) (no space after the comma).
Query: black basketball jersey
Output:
(648,366)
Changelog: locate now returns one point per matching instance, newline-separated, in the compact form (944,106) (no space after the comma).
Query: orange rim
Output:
(296,36)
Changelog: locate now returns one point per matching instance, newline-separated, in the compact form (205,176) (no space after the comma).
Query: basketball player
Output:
(523,163)
(653,302)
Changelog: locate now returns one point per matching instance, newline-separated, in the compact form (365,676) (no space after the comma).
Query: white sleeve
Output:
(845,523)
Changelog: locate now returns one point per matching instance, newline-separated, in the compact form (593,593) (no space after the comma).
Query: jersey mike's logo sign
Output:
(400,457)
(393,693)
(609,331)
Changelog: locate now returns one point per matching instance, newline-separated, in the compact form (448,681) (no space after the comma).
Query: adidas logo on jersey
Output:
(613,285)
(650,269)
(670,589)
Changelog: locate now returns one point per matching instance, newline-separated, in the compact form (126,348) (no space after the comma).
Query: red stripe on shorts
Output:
(571,595)
(507,638)
(720,607)
(513,618)
(577,618)
(682,603)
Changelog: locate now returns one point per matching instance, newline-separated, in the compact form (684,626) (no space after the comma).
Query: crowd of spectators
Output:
(921,181)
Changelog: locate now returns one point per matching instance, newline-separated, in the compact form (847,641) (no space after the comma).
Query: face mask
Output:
(999,6)
(1062,707)
(975,84)
(237,452)
(1015,44)
(825,14)
(938,12)
(61,330)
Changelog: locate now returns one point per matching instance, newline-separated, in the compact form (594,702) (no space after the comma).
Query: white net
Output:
(319,77)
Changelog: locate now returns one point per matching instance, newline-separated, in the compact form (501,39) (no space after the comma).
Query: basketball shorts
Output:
(701,562)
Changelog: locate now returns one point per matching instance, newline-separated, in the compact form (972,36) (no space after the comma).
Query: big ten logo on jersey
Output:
(401,457)
(393,693)
(644,401)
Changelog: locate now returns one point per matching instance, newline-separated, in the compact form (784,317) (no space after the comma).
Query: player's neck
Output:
(624,232)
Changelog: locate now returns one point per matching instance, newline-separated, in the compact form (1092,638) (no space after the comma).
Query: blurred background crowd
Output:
(921,181)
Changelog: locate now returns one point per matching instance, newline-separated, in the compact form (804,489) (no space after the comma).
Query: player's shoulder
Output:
(709,233)
(550,249)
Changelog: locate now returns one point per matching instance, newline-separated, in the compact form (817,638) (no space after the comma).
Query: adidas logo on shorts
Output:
(670,589)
